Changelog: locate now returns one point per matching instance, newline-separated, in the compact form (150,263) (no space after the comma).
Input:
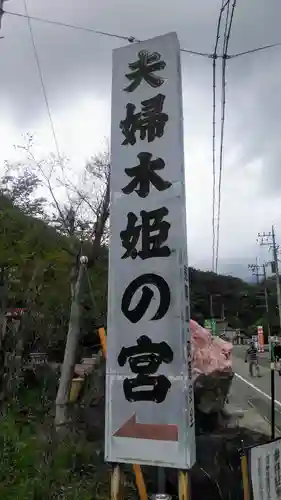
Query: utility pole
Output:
(266,300)
(1,13)
(211,307)
(255,268)
(222,312)
(268,239)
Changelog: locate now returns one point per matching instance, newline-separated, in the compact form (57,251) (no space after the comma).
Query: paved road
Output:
(255,391)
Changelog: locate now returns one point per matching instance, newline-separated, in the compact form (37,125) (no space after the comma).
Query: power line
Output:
(42,80)
(73,26)
(227,33)
(215,56)
(251,51)
(132,39)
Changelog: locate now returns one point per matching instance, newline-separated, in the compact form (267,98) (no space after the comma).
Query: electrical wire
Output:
(132,39)
(42,80)
(251,51)
(227,33)
(215,56)
(216,231)
(193,52)
(67,25)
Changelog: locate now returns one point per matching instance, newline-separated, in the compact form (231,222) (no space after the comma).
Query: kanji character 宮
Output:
(146,356)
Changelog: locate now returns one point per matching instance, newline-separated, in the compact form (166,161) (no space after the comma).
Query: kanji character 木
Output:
(145,174)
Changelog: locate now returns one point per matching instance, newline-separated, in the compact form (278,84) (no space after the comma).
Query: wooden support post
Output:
(116,483)
(245,475)
(184,485)
(102,336)
(140,482)
(137,469)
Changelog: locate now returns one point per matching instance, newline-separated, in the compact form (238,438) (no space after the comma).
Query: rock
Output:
(210,391)
(217,473)
(90,411)
(210,394)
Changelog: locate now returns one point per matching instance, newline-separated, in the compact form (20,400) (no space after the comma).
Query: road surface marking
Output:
(257,389)
(264,416)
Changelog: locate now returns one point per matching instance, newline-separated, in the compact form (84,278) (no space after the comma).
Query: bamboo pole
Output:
(116,483)
(245,475)
(184,485)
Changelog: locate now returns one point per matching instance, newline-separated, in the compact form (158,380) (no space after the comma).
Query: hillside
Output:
(37,262)
(35,265)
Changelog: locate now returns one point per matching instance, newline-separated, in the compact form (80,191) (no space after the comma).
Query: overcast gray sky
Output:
(76,66)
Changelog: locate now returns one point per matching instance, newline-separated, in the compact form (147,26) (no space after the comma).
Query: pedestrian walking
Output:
(252,357)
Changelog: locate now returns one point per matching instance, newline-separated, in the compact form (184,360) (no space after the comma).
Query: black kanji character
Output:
(138,312)
(190,394)
(154,233)
(157,388)
(146,356)
(144,174)
(143,69)
(130,125)
(277,471)
(189,370)
(267,475)
(150,121)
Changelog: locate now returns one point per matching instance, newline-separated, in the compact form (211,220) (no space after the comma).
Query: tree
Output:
(77,207)
(20,190)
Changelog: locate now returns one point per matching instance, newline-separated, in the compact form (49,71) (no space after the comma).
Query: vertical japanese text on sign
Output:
(148,314)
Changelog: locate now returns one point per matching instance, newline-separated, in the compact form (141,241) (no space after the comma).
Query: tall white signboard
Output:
(265,469)
(149,390)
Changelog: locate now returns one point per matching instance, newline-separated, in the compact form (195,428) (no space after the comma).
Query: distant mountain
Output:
(241,303)
(237,268)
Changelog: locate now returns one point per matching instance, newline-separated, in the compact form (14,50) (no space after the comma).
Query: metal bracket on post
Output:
(161,496)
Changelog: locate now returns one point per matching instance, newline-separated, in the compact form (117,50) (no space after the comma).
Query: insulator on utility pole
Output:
(255,270)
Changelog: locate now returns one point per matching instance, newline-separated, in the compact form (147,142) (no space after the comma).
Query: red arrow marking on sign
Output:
(158,432)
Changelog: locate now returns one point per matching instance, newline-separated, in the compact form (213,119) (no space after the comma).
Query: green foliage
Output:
(241,303)
(37,265)
(34,468)
(20,191)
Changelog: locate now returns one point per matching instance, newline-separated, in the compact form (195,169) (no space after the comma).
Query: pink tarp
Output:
(209,353)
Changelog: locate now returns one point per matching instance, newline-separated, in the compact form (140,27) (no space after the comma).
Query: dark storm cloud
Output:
(75,62)
(256,127)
